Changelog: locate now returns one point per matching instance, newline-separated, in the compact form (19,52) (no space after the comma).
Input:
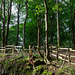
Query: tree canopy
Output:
(36,11)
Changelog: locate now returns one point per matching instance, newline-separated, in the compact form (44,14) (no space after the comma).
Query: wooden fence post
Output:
(68,55)
(30,52)
(13,49)
(29,47)
(57,53)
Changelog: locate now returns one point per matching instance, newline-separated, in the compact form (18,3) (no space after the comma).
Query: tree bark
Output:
(51,27)
(8,22)
(41,40)
(46,34)
(72,25)
(73,30)
(0,24)
(25,23)
(18,25)
(3,30)
(0,12)
(58,34)
(38,40)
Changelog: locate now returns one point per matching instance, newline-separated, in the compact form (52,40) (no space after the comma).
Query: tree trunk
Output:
(3,30)
(51,27)
(8,22)
(25,22)
(73,30)
(72,25)
(0,12)
(0,24)
(58,34)
(41,40)
(38,40)
(46,33)
(18,25)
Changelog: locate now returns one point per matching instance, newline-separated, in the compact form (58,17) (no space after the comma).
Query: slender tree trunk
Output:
(46,33)
(0,24)
(38,40)
(72,25)
(0,12)
(41,40)
(58,34)
(51,27)
(25,22)
(3,30)
(8,22)
(73,30)
(18,24)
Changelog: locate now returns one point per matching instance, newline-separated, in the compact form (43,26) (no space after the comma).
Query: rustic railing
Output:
(62,53)
(54,51)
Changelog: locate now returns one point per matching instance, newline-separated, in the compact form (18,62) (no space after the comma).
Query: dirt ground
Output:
(36,53)
(54,67)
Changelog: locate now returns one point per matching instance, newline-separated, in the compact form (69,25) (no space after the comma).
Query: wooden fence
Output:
(13,48)
(10,47)
(64,54)
(59,53)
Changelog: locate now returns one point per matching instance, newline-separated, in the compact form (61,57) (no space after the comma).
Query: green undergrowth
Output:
(3,55)
(66,70)
(42,70)
(18,66)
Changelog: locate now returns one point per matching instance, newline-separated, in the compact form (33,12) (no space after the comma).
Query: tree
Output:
(41,31)
(51,28)
(25,22)
(38,39)
(72,24)
(18,24)
(3,29)
(46,56)
(8,21)
(58,34)
(0,24)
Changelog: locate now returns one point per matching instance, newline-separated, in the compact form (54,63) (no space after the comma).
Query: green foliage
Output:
(66,69)
(72,70)
(35,11)
(18,66)
(38,68)
(60,71)
(45,72)
(49,73)
(61,61)
(35,55)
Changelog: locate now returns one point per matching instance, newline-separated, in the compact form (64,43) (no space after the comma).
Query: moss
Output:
(18,66)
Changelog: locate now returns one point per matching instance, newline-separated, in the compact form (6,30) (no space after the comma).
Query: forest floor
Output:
(18,64)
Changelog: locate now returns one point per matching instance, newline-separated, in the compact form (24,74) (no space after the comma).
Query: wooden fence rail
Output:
(13,48)
(55,51)
(10,47)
